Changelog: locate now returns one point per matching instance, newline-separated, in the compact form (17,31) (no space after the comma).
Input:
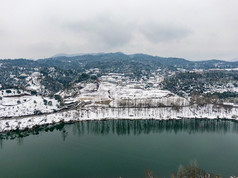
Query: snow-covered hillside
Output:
(114,95)
(33,82)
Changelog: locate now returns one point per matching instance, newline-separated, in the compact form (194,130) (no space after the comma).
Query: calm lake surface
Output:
(120,148)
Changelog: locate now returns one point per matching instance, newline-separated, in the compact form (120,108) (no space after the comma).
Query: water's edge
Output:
(107,113)
(129,126)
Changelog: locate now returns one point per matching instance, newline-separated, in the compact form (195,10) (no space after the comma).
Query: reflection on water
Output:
(126,127)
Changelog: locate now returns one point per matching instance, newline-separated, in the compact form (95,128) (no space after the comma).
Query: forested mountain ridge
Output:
(105,60)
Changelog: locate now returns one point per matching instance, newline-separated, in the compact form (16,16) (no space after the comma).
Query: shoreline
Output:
(106,113)
(127,126)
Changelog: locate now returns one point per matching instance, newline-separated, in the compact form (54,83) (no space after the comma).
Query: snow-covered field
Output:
(19,103)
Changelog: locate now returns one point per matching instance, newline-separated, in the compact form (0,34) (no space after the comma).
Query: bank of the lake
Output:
(123,148)
(210,111)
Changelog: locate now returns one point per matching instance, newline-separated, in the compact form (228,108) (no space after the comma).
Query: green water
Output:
(120,148)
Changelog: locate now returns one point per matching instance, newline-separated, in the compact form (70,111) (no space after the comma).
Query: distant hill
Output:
(105,60)
(72,55)
(120,62)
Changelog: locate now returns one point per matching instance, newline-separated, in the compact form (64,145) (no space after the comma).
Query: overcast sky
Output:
(193,29)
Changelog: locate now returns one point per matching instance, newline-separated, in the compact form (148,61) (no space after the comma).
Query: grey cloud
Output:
(114,33)
(162,33)
(36,29)
(110,32)
(41,48)
(2,32)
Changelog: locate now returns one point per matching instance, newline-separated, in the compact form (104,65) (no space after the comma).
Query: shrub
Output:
(8,91)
